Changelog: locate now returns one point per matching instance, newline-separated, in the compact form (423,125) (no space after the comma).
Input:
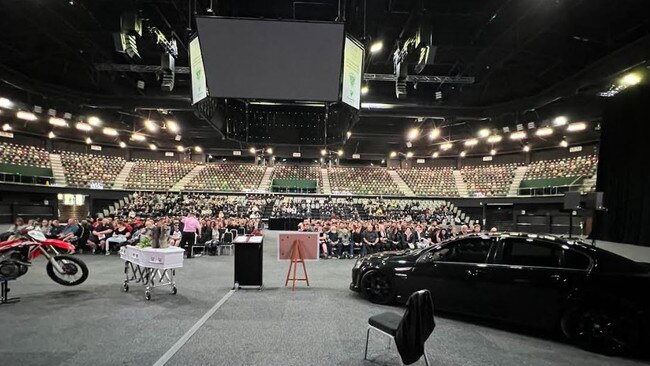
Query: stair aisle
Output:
(520,173)
(120,180)
(265,184)
(180,185)
(327,188)
(401,184)
(461,186)
(57,170)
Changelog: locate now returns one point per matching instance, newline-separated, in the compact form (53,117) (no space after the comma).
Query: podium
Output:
(248,261)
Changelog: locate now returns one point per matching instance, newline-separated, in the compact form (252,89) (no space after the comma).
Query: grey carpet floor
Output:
(324,324)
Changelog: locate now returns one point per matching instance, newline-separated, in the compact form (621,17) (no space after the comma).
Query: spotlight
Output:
(180,148)
(153,147)
(393,154)
(94,121)
(462,154)
(560,121)
(137,137)
(364,90)
(51,135)
(631,79)
(435,154)
(252,150)
(172,126)
(113,132)
(545,131)
(519,135)
(340,152)
(526,148)
(494,139)
(83,126)
(485,132)
(576,126)
(446,146)
(198,149)
(88,141)
(409,154)
(564,143)
(323,152)
(122,144)
(383,161)
(269,150)
(58,122)
(434,134)
(409,144)
(493,152)
(150,125)
(376,47)
(471,142)
(6,103)
(6,127)
(348,134)
(27,116)
(413,133)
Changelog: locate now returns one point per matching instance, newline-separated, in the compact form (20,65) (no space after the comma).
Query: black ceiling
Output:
(543,54)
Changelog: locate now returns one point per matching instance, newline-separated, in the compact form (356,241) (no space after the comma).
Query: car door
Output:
(530,279)
(453,272)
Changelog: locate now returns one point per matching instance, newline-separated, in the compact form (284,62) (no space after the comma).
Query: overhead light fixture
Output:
(150,125)
(564,143)
(198,149)
(493,152)
(412,134)
(58,122)
(446,146)
(122,144)
(485,132)
(409,144)
(153,146)
(631,79)
(435,154)
(252,150)
(348,134)
(112,132)
(27,116)
(519,135)
(434,134)
(94,121)
(544,131)
(376,47)
(462,154)
(178,137)
(409,154)
(269,150)
(526,148)
(6,103)
(560,121)
(89,140)
(364,90)
(576,126)
(137,137)
(83,126)
(172,126)
(6,127)
(51,135)
(180,148)
(471,142)
(494,139)
(323,152)
(340,152)
(393,154)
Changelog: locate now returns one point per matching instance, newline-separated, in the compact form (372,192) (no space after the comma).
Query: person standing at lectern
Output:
(191,227)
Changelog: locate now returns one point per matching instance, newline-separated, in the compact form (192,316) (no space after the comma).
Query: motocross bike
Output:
(16,256)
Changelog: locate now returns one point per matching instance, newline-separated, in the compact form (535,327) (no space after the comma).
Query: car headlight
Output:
(358,264)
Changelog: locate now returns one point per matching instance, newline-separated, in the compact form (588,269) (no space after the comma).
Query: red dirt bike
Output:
(16,256)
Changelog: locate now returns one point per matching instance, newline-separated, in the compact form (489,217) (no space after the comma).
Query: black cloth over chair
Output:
(416,326)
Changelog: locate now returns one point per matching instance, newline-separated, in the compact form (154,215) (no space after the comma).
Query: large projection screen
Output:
(274,60)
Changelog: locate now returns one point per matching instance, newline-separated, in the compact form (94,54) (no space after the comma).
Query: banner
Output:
(352,73)
(199,87)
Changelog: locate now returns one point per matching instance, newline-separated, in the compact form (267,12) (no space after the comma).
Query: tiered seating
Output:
(488,180)
(83,169)
(579,166)
(228,177)
(156,174)
(369,181)
(299,172)
(24,155)
(430,181)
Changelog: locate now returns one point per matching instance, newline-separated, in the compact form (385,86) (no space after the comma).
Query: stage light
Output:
(526,148)
(409,154)
(83,126)
(485,132)
(435,154)
(94,121)
(340,152)
(89,140)
(122,144)
(383,161)
(471,142)
(364,90)
(494,139)
(150,125)
(58,122)
(493,152)
(252,150)
(631,79)
(51,135)
(153,147)
(137,137)
(462,154)
(269,150)
(545,131)
(434,134)
(576,126)
(180,148)
(519,135)
(348,134)
(172,126)
(27,116)
(376,47)
(560,121)
(412,134)
(446,146)
(6,103)
(564,143)
(409,144)
(111,132)
(6,127)
(393,154)
(323,152)
(198,149)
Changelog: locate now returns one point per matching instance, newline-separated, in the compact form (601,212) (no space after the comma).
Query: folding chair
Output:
(226,243)
(196,244)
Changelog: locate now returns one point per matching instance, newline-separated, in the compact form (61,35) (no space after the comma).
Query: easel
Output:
(296,257)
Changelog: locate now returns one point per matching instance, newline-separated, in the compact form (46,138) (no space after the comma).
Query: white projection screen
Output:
(270,59)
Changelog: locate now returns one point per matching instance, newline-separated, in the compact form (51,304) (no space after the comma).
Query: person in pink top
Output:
(191,227)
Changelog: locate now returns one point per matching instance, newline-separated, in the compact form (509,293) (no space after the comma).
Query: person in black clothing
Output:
(357,238)
(334,241)
(370,240)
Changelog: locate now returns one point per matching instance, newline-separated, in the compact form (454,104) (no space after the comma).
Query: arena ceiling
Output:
(529,61)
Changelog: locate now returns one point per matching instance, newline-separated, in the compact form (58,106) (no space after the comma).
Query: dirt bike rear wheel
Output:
(72,267)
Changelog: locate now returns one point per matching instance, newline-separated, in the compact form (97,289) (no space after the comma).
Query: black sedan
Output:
(596,298)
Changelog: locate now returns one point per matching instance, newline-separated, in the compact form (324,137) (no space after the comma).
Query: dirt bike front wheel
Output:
(74,269)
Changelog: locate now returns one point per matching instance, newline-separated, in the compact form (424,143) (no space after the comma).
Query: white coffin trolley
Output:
(152,267)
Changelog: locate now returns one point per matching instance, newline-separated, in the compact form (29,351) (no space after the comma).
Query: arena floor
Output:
(325,324)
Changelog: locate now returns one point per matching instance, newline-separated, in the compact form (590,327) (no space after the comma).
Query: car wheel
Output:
(377,287)
(608,331)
